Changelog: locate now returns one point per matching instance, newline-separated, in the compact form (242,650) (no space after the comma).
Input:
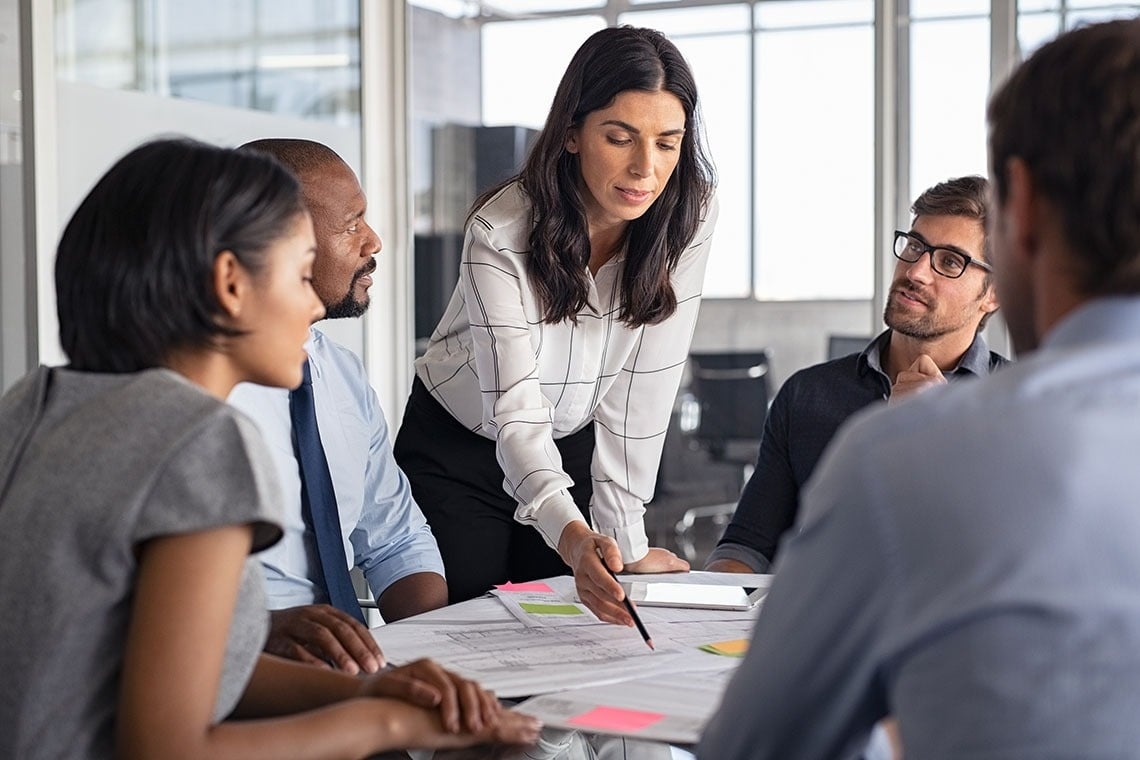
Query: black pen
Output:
(632,610)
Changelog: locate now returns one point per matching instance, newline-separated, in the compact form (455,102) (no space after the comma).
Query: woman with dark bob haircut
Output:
(543,398)
(131,495)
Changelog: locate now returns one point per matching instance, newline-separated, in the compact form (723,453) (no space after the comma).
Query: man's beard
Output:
(923,327)
(350,306)
(928,326)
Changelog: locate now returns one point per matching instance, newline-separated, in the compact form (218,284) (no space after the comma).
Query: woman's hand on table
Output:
(463,706)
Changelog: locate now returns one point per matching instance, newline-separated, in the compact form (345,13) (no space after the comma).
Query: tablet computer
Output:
(693,595)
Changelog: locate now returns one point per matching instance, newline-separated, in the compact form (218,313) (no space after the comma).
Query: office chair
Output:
(842,345)
(731,392)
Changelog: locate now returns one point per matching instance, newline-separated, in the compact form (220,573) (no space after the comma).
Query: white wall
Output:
(96,126)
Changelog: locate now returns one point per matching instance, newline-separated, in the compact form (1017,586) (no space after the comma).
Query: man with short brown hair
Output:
(940,299)
(993,602)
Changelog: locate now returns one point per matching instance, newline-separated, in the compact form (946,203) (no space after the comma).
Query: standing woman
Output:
(544,395)
(131,496)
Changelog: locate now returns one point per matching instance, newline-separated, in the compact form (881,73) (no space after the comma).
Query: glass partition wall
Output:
(788,90)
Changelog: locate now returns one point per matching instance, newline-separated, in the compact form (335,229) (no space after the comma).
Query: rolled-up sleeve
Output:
(391,539)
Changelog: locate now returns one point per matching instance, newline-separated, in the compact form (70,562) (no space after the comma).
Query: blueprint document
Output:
(480,639)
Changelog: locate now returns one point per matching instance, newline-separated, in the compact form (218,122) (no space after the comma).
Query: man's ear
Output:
(1022,207)
(990,300)
(231,283)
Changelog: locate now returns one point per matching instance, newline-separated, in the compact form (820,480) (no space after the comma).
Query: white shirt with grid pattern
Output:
(506,375)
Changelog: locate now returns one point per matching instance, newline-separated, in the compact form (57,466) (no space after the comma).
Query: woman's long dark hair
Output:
(609,63)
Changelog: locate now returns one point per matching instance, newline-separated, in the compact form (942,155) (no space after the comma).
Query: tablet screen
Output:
(694,595)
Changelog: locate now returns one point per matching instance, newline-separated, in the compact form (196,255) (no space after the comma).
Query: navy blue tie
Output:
(318,499)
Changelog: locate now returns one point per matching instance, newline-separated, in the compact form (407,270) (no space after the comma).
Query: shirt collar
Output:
(1100,320)
(976,360)
(871,358)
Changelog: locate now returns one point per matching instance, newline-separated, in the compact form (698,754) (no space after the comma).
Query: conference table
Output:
(535,642)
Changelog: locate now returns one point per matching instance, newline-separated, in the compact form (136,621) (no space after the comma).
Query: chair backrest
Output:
(733,389)
(842,345)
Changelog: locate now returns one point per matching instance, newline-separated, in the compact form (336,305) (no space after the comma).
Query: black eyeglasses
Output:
(945,261)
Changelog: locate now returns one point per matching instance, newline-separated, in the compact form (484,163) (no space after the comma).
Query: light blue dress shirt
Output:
(993,605)
(385,533)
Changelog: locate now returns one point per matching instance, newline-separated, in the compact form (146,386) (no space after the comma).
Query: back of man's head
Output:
(299,156)
(1071,113)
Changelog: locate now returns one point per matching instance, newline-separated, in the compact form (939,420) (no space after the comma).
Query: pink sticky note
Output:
(524,587)
(615,719)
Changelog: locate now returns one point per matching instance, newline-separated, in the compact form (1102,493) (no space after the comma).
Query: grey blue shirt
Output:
(384,531)
(993,602)
(810,407)
(91,467)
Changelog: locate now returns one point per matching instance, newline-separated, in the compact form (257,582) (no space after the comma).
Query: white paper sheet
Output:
(700,576)
(671,707)
(538,609)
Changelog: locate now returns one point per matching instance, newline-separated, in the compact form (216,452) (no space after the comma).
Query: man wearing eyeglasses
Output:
(939,301)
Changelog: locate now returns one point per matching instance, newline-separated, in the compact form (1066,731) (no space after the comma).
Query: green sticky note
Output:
(550,609)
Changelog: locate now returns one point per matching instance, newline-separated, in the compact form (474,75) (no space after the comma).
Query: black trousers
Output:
(458,484)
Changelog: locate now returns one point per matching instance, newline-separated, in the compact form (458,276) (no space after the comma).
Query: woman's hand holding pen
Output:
(585,551)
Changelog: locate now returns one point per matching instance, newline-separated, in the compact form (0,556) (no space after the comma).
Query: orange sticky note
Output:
(535,586)
(734,648)
(615,719)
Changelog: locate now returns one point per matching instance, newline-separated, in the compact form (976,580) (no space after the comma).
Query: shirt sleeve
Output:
(221,475)
(633,416)
(813,684)
(768,504)
(514,407)
(391,539)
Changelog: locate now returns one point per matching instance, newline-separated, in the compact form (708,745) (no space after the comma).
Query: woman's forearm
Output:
(282,687)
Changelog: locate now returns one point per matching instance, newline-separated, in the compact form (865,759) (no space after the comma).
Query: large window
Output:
(715,41)
(789,151)
(295,57)
(949,84)
(778,142)
(814,140)
(522,62)
(788,97)
(1039,21)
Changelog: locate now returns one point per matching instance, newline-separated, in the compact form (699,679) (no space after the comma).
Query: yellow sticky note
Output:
(734,648)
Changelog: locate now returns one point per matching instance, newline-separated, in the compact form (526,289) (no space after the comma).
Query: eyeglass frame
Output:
(927,248)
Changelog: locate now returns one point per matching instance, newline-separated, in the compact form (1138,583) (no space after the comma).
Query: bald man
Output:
(383,531)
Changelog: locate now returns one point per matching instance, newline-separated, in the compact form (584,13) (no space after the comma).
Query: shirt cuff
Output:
(631,540)
(749,556)
(552,516)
